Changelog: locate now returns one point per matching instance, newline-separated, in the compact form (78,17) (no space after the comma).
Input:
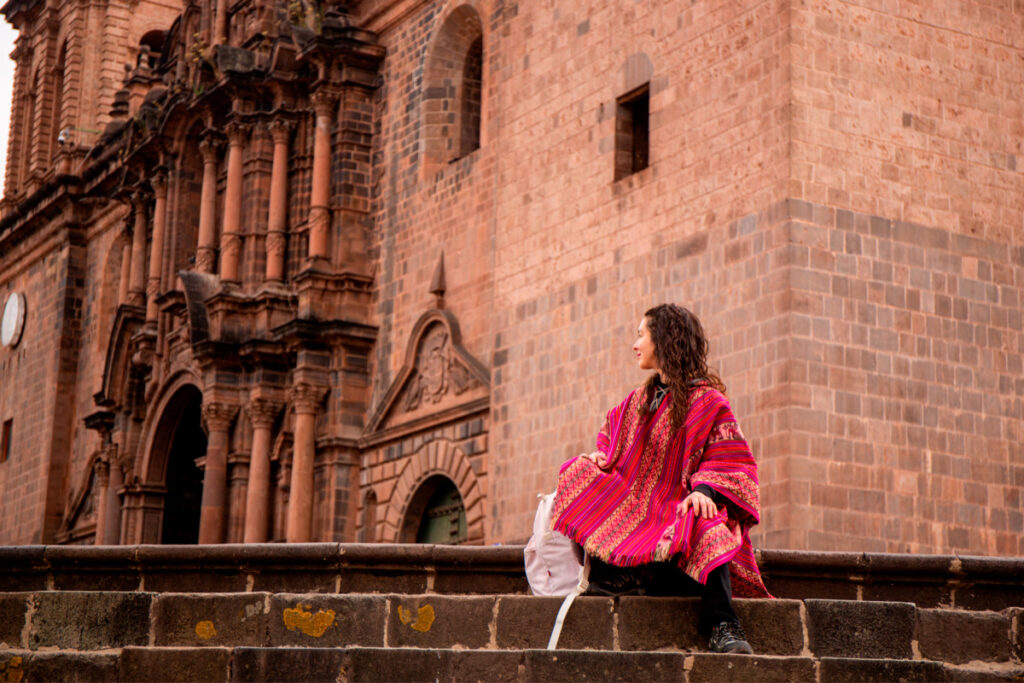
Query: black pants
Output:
(666,578)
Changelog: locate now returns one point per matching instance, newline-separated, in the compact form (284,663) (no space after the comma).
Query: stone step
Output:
(981,583)
(245,664)
(88,621)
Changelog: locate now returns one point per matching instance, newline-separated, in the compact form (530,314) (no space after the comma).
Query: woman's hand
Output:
(597,457)
(701,505)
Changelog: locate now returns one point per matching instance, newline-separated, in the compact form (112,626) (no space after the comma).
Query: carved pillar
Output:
(102,488)
(156,247)
(126,273)
(206,249)
(230,236)
(218,417)
(319,197)
(220,26)
(277,223)
(257,503)
(306,399)
(112,526)
(137,282)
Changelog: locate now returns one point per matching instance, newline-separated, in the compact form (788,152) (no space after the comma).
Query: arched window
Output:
(453,89)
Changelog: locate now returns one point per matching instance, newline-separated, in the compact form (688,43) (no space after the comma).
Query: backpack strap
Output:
(581,588)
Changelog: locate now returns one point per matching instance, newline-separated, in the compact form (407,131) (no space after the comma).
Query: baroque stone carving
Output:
(437,371)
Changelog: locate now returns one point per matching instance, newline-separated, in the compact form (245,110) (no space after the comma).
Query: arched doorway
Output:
(181,432)
(436,513)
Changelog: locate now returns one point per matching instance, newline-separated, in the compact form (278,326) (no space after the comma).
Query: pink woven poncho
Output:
(625,511)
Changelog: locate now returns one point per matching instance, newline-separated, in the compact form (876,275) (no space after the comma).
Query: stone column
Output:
(257,502)
(230,236)
(102,492)
(112,526)
(206,249)
(220,23)
(156,246)
(277,223)
(126,273)
(218,417)
(137,281)
(319,196)
(306,400)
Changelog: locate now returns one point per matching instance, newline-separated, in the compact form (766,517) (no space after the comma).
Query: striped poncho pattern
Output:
(626,508)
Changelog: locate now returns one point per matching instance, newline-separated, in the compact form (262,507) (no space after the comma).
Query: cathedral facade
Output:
(371,270)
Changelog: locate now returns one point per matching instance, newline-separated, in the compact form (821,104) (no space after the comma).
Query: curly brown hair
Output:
(681,348)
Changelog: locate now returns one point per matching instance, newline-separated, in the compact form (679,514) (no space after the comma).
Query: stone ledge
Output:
(980,583)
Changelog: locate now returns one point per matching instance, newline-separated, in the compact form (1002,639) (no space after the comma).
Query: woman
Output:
(673,483)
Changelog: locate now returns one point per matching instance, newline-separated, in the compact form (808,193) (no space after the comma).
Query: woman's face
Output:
(643,347)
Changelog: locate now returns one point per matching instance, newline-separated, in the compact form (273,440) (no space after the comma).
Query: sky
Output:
(7,36)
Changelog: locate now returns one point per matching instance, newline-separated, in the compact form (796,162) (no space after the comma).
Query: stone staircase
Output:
(329,612)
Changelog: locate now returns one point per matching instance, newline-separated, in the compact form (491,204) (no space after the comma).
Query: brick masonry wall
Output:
(911,111)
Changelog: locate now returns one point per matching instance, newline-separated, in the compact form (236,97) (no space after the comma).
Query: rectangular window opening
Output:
(632,132)
(5,440)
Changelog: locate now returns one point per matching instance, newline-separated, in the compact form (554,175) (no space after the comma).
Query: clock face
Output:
(13,320)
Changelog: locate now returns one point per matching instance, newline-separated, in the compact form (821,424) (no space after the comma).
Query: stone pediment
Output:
(439,381)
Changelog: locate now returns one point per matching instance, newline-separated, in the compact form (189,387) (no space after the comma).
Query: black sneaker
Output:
(729,638)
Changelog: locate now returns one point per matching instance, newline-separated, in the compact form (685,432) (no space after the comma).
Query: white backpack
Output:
(551,565)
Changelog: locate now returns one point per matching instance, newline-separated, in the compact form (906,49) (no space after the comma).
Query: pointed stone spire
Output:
(437,284)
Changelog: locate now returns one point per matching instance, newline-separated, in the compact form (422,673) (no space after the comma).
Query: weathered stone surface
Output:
(647,623)
(810,586)
(202,620)
(525,622)
(293,568)
(195,568)
(22,568)
(958,637)
(93,568)
(773,626)
(69,667)
(1016,614)
(383,580)
(175,665)
(413,664)
(437,621)
(991,673)
(327,620)
(839,628)
(99,620)
(716,667)
(12,618)
(845,670)
(580,665)
(290,664)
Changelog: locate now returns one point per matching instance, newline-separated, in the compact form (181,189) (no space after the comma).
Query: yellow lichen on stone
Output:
(424,618)
(11,671)
(299,619)
(205,630)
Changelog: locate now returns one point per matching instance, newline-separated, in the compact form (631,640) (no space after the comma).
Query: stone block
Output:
(68,667)
(488,583)
(717,667)
(22,568)
(93,568)
(586,665)
(847,670)
(211,619)
(1016,614)
(314,620)
(838,628)
(811,587)
(175,665)
(1012,672)
(648,623)
(773,626)
(293,568)
(101,620)
(438,621)
(12,618)
(312,664)
(176,580)
(413,664)
(959,637)
(525,622)
(383,580)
